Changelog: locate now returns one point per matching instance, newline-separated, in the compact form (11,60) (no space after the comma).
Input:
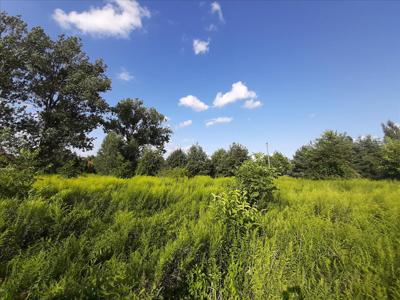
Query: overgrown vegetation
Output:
(148,237)
(177,235)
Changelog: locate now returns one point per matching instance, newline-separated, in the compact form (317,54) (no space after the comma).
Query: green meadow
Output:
(98,237)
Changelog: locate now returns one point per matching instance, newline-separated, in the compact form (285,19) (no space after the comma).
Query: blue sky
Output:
(273,71)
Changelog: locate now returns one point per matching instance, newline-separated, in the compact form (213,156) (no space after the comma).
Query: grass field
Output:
(148,237)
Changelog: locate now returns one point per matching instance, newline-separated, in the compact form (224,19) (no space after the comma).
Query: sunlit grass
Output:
(148,237)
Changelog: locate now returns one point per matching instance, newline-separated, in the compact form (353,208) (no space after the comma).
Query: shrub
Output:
(234,209)
(257,180)
(15,183)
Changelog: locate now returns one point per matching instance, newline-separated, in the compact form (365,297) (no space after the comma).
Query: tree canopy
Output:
(50,89)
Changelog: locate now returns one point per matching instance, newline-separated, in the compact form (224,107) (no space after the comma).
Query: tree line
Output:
(51,99)
(332,155)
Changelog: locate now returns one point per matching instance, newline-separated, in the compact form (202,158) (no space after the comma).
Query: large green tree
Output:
(198,162)
(110,160)
(139,126)
(150,162)
(391,150)
(135,122)
(54,87)
(368,157)
(220,163)
(281,163)
(237,154)
(329,156)
(177,159)
(391,158)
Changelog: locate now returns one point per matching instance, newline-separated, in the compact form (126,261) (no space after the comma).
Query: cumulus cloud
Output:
(251,104)
(125,75)
(200,47)
(193,102)
(220,120)
(117,18)
(239,91)
(184,124)
(216,9)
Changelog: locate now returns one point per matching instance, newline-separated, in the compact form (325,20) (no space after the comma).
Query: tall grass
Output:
(146,237)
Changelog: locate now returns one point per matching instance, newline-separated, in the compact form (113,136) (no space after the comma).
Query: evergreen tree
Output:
(150,163)
(177,159)
(281,163)
(329,156)
(220,163)
(109,159)
(368,157)
(391,158)
(302,162)
(197,161)
(237,154)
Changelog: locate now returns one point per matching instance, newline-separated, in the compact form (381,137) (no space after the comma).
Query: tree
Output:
(198,162)
(391,158)
(281,163)
(237,154)
(177,159)
(150,162)
(13,114)
(220,163)
(368,157)
(139,126)
(329,156)
(135,122)
(109,159)
(302,162)
(58,83)
(391,130)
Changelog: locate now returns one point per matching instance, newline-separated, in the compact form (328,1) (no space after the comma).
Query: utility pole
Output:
(269,163)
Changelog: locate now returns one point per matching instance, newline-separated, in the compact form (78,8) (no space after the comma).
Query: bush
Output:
(15,183)
(257,180)
(234,209)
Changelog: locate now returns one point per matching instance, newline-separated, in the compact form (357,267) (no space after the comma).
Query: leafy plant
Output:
(257,180)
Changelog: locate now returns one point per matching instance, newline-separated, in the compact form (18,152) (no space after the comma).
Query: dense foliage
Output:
(150,163)
(147,237)
(335,155)
(50,92)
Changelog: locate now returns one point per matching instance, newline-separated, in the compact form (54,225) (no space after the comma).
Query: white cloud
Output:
(220,120)
(117,18)
(200,47)
(211,27)
(184,124)
(238,92)
(251,104)
(125,75)
(216,8)
(193,102)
